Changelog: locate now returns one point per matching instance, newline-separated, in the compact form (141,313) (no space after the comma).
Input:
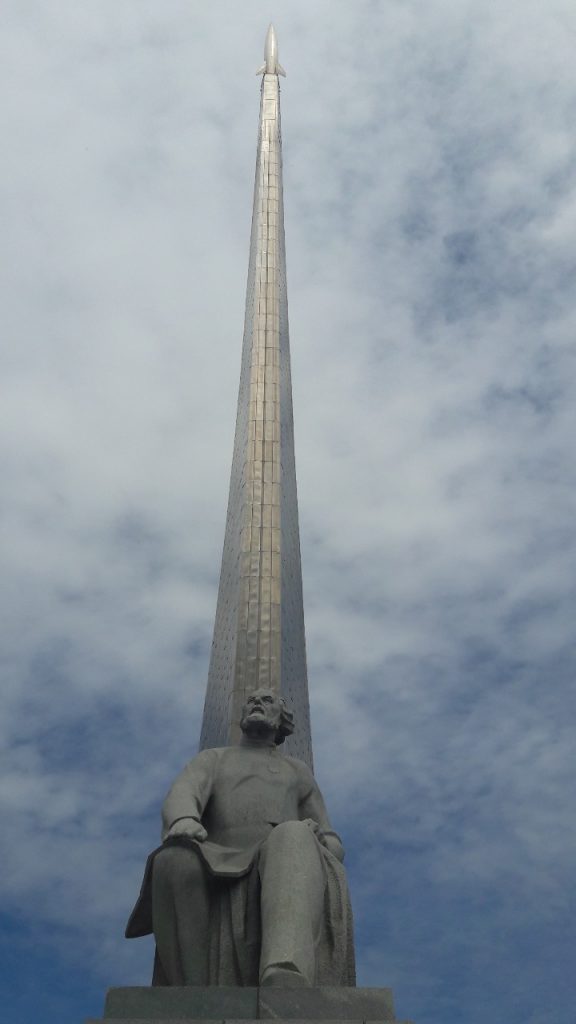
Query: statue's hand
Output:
(188,827)
(314,826)
(327,839)
(332,843)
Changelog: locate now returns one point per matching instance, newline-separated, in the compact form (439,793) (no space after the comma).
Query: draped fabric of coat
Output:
(239,795)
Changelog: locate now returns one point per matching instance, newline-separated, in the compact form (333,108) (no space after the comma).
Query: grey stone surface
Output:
(250,880)
(211,1005)
(236,1004)
(175,1002)
(333,1003)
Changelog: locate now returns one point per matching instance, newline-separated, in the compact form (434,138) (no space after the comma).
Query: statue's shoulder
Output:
(213,755)
(300,767)
(206,757)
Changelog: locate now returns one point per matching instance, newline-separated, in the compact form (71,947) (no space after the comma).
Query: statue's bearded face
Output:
(262,712)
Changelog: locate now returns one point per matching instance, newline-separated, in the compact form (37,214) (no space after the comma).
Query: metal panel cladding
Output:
(259,638)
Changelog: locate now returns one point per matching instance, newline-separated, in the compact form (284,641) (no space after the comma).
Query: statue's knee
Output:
(177,864)
(292,832)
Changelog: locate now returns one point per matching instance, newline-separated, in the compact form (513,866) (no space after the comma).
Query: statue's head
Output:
(266,712)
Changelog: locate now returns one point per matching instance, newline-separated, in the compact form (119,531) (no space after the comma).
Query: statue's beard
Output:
(258,725)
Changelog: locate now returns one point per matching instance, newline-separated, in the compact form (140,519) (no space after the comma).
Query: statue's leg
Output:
(180,915)
(291,904)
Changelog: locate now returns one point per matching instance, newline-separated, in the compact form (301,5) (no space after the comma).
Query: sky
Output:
(430,205)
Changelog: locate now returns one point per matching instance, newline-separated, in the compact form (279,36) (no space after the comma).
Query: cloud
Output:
(429,212)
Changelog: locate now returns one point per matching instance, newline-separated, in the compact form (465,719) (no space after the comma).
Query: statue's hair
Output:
(286,727)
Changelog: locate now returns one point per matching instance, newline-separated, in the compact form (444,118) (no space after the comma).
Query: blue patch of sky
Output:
(478,952)
(40,983)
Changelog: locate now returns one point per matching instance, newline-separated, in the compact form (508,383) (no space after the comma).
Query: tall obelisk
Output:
(259,630)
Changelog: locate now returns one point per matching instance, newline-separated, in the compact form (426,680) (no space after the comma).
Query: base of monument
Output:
(196,1005)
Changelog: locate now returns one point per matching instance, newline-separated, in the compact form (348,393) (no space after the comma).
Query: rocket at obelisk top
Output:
(271,65)
(259,638)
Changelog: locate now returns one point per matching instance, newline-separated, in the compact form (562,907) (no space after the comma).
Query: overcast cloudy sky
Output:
(431,233)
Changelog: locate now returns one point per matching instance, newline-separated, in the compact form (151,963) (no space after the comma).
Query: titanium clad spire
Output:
(259,630)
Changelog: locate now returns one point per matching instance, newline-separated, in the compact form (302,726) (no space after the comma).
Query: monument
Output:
(259,629)
(247,895)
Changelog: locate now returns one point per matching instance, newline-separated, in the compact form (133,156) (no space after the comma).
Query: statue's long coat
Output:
(239,794)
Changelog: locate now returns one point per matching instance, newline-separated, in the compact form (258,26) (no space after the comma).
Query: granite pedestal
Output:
(197,1005)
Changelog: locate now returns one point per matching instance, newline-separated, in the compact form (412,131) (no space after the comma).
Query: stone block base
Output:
(196,1005)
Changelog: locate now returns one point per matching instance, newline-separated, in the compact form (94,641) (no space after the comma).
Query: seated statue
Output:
(248,887)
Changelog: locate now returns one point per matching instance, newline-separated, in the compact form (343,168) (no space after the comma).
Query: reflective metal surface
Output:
(259,631)
(271,65)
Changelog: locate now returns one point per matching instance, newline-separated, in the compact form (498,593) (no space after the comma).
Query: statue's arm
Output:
(186,802)
(313,809)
